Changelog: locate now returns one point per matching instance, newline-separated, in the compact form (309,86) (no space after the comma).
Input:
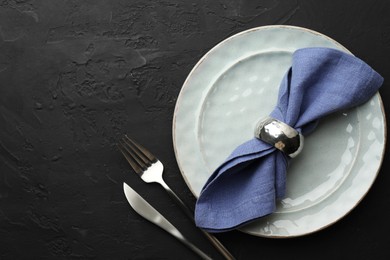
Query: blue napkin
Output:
(246,186)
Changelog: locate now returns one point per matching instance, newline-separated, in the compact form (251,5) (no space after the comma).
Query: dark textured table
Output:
(76,75)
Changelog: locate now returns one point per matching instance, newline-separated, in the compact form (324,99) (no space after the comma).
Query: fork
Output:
(150,169)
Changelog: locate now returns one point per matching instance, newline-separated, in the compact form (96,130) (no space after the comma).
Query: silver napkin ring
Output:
(280,135)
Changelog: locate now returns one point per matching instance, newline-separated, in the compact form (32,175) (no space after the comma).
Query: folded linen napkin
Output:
(246,186)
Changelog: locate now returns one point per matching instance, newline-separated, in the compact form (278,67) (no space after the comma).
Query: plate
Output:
(233,86)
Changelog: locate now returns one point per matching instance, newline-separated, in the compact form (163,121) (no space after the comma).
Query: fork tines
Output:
(138,157)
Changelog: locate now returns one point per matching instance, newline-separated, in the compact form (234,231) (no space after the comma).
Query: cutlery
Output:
(150,169)
(143,208)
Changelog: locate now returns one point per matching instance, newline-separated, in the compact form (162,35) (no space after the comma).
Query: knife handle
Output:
(191,246)
(214,241)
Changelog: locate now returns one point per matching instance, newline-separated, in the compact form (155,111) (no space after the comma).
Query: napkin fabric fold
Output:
(246,186)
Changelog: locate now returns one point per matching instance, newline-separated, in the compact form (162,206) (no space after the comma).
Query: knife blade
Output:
(143,208)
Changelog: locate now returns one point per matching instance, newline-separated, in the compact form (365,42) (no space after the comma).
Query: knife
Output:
(146,210)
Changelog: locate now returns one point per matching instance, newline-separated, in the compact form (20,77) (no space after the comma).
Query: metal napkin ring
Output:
(282,136)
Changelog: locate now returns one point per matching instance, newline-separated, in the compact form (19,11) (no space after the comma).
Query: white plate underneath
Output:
(232,87)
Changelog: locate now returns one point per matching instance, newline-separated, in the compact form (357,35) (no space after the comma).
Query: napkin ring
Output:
(280,135)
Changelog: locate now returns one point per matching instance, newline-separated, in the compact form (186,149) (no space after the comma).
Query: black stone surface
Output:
(76,75)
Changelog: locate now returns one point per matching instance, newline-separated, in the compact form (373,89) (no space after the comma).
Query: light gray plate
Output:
(233,86)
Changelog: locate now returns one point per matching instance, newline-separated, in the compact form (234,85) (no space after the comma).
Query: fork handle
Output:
(214,241)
